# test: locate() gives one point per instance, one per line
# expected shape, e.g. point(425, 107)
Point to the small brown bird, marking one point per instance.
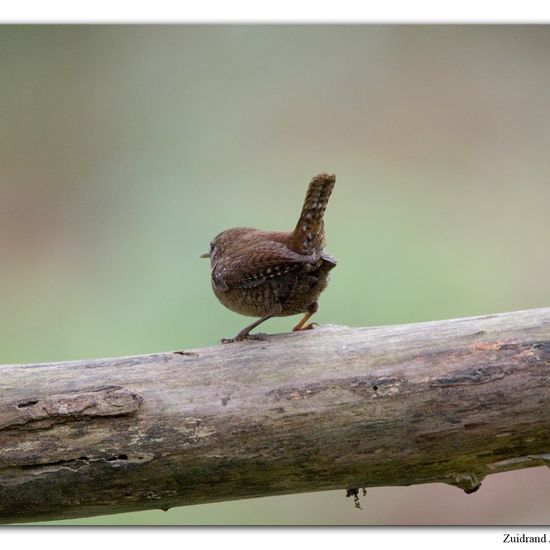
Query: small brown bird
point(274, 274)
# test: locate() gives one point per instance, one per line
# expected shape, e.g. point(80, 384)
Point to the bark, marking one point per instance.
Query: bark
point(334, 407)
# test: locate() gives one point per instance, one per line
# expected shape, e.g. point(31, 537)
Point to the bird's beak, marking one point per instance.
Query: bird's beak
point(207, 255)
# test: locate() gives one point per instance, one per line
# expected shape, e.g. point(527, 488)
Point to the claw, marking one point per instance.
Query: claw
point(309, 326)
point(261, 336)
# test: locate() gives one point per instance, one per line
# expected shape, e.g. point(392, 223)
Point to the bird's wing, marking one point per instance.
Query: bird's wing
point(251, 268)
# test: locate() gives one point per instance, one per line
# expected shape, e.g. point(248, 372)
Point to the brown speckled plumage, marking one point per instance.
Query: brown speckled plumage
point(274, 274)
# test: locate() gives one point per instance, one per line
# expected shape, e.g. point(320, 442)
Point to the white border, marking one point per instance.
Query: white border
point(265, 538)
point(282, 11)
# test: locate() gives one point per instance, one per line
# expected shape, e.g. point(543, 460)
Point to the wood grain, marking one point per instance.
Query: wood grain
point(335, 407)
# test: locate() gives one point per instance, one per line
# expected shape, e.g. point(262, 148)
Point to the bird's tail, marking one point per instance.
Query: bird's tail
point(309, 234)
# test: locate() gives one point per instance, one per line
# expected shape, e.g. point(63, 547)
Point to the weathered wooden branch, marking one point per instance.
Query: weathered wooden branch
point(335, 407)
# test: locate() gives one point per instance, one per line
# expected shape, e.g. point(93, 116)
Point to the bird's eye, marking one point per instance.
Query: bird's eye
point(211, 246)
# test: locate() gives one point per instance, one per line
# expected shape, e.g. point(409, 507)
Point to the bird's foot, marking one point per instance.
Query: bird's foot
point(309, 326)
point(261, 336)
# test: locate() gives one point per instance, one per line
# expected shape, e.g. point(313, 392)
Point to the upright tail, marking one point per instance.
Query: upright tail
point(309, 234)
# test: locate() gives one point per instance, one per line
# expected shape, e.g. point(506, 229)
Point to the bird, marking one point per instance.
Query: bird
point(268, 274)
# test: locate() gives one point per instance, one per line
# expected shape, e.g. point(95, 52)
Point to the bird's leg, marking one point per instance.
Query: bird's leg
point(310, 311)
point(244, 334)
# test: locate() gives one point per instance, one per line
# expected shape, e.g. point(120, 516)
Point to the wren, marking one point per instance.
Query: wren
point(274, 274)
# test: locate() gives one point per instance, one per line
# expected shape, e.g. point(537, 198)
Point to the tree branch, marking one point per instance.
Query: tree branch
point(335, 407)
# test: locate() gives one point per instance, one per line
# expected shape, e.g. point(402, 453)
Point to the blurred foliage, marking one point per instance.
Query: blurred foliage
point(124, 149)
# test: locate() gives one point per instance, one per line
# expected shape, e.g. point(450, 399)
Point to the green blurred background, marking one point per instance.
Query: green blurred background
point(124, 149)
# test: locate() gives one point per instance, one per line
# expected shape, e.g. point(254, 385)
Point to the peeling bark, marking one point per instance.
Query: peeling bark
point(335, 407)
point(110, 401)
